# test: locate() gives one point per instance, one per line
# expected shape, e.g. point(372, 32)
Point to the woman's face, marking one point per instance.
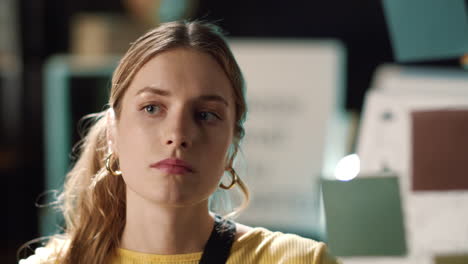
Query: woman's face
point(179, 105)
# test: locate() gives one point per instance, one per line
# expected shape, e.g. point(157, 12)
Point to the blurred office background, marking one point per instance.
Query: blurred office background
point(50, 50)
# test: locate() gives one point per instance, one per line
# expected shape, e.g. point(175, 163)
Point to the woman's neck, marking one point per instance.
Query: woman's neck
point(155, 229)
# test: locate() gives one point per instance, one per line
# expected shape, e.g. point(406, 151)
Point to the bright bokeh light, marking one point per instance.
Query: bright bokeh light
point(348, 168)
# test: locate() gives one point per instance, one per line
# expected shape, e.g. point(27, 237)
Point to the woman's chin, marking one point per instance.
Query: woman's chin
point(177, 197)
point(172, 190)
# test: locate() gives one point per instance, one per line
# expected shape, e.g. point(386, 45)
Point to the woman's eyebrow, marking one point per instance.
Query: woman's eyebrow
point(214, 98)
point(153, 90)
point(157, 91)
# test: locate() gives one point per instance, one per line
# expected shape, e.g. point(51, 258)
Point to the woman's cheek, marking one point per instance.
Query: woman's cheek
point(221, 143)
point(132, 139)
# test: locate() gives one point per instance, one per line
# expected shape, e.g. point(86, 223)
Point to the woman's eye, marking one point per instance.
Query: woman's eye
point(207, 116)
point(152, 109)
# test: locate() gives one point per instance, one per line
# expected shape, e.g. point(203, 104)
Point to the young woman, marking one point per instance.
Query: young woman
point(140, 191)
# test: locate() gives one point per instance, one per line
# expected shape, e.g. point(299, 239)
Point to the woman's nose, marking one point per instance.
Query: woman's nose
point(179, 132)
point(183, 143)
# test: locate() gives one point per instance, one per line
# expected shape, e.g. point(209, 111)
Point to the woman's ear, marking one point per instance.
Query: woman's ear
point(230, 155)
point(111, 130)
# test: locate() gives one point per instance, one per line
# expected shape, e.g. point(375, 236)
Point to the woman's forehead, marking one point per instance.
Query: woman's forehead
point(183, 71)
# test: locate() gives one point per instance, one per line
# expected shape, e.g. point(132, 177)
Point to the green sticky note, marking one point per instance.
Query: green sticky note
point(451, 259)
point(364, 217)
point(427, 29)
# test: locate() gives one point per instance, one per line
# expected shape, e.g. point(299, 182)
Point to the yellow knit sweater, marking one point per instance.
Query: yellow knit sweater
point(258, 245)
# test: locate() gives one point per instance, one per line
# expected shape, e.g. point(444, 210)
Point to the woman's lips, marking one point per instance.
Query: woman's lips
point(173, 166)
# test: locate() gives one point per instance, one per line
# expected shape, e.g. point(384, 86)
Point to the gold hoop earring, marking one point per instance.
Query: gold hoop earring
point(235, 179)
point(109, 166)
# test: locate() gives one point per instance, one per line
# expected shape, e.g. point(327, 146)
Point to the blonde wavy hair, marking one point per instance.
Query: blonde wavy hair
point(93, 200)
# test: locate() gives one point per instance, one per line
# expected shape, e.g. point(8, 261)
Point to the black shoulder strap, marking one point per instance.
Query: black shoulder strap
point(219, 244)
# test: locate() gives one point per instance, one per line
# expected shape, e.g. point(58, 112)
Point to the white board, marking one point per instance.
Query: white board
point(435, 222)
point(295, 94)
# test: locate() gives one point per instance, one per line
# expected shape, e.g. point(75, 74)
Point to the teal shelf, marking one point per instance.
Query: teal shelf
point(59, 70)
